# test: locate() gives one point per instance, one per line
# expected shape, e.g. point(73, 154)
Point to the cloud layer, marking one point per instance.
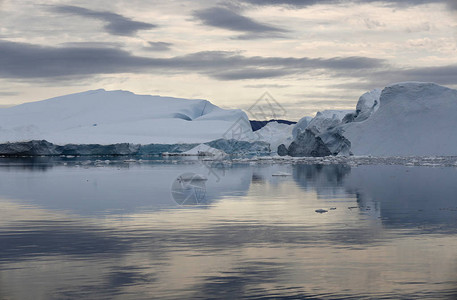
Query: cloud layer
point(305, 3)
point(225, 18)
point(22, 60)
point(159, 46)
point(115, 24)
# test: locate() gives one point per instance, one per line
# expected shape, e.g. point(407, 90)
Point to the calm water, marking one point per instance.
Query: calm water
point(114, 231)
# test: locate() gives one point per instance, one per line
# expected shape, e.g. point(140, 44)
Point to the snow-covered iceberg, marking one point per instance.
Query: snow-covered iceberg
point(404, 119)
point(110, 117)
point(413, 119)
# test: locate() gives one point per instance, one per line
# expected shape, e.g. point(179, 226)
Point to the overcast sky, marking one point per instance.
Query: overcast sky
point(310, 55)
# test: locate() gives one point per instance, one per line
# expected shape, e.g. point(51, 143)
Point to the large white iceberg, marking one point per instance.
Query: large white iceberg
point(404, 119)
point(108, 117)
point(413, 118)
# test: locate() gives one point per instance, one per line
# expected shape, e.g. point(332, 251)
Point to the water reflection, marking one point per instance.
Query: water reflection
point(111, 188)
point(189, 189)
point(420, 197)
point(326, 180)
point(107, 232)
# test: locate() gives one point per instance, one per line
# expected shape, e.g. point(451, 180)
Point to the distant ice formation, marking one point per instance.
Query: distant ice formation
point(403, 119)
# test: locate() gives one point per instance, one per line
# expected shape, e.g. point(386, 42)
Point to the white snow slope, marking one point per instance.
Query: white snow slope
point(413, 119)
point(107, 117)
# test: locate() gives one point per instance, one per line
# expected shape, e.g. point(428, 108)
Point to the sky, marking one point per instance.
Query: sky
point(309, 55)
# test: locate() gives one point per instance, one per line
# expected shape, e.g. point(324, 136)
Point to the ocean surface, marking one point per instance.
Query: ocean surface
point(169, 229)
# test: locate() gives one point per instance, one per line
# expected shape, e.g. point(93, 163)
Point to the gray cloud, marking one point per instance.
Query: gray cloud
point(27, 61)
point(452, 4)
point(441, 75)
point(115, 24)
point(304, 3)
point(91, 44)
point(296, 3)
point(225, 18)
point(159, 46)
point(21, 60)
point(8, 94)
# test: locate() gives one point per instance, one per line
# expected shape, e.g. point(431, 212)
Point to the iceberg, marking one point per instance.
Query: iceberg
point(320, 137)
point(413, 119)
point(112, 117)
point(403, 119)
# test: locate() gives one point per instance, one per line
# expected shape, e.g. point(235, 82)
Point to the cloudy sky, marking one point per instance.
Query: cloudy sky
point(309, 54)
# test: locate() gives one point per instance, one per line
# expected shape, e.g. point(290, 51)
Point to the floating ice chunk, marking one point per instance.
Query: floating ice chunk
point(204, 150)
point(192, 177)
point(281, 174)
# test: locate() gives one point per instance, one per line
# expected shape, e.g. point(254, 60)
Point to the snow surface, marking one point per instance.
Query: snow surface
point(413, 119)
point(108, 117)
